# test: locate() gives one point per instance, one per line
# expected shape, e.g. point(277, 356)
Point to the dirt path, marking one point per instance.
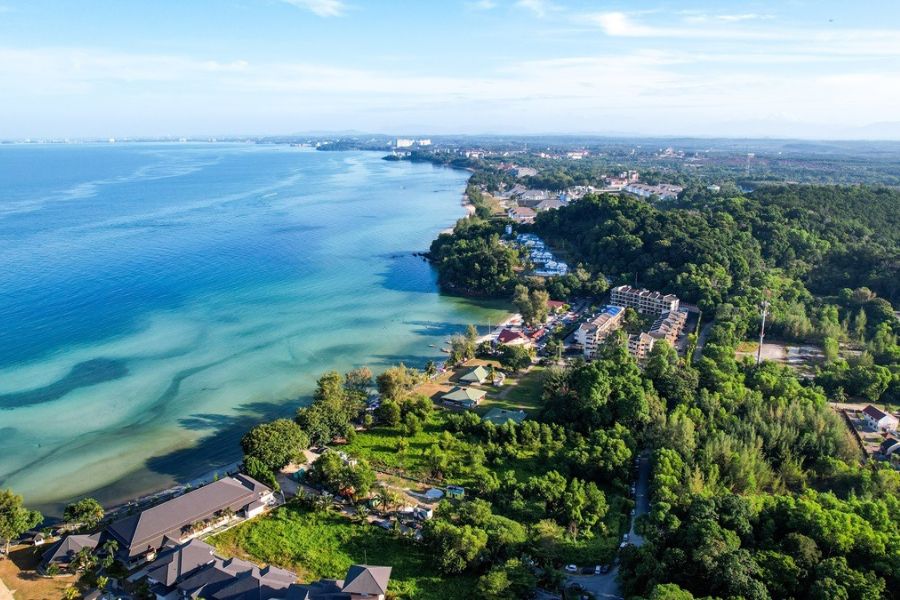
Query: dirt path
point(5, 594)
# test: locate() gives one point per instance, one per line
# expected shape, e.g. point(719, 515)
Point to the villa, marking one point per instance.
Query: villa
point(477, 375)
point(463, 397)
point(140, 536)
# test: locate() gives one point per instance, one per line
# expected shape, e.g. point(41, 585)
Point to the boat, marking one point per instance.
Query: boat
point(447, 350)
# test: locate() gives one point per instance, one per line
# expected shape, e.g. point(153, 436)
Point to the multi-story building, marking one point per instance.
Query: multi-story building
point(591, 334)
point(643, 301)
point(640, 346)
point(668, 326)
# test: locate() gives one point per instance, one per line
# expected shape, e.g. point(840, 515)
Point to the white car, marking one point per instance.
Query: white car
point(571, 569)
point(625, 538)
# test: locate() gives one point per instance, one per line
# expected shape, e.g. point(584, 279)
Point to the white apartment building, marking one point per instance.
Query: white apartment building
point(591, 334)
point(644, 301)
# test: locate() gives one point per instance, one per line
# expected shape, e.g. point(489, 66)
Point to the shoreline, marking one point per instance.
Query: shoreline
point(127, 505)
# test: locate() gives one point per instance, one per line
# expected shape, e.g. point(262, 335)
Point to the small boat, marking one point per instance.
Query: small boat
point(432, 345)
point(447, 350)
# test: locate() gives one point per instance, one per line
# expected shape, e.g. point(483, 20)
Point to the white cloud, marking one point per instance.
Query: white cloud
point(322, 8)
point(700, 17)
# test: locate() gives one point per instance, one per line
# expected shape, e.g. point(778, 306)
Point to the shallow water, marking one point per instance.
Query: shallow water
point(158, 299)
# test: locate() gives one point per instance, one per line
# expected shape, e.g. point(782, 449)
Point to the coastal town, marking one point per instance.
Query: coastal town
point(524, 460)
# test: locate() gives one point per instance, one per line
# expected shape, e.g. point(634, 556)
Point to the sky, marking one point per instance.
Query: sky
point(120, 68)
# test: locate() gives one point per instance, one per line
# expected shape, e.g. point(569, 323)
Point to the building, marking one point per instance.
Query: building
point(62, 552)
point(477, 375)
point(640, 346)
point(525, 172)
point(521, 214)
point(463, 397)
point(663, 191)
point(424, 142)
point(889, 446)
point(499, 416)
point(404, 143)
point(879, 420)
point(140, 536)
point(591, 334)
point(512, 338)
point(193, 570)
point(669, 326)
point(643, 301)
point(549, 204)
point(531, 198)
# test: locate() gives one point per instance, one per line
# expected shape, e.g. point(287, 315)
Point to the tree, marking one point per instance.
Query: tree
point(275, 444)
point(358, 380)
point(396, 382)
point(669, 591)
point(260, 472)
point(71, 593)
point(510, 580)
point(388, 412)
point(15, 519)
point(86, 511)
point(532, 305)
point(516, 358)
point(454, 547)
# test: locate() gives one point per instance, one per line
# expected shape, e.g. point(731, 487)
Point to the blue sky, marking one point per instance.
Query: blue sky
point(215, 67)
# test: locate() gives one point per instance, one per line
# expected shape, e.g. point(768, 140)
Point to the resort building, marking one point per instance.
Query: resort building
point(463, 397)
point(193, 570)
point(62, 552)
point(477, 375)
point(879, 420)
point(640, 346)
point(591, 334)
point(669, 326)
point(512, 338)
point(499, 416)
point(643, 301)
point(521, 214)
point(141, 535)
point(663, 191)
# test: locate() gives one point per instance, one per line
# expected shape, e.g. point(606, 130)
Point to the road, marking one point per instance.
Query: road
point(606, 586)
point(701, 339)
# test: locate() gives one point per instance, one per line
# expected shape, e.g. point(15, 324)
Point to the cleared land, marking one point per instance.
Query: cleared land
point(19, 575)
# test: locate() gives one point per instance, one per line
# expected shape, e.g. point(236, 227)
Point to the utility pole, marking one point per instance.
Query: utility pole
point(762, 331)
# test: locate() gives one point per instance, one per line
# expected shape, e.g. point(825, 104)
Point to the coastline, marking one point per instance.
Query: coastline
point(127, 504)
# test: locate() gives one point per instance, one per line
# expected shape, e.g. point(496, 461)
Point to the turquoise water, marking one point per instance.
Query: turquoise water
point(156, 300)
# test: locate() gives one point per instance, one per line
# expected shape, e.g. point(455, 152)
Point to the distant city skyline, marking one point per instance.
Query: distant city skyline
point(826, 70)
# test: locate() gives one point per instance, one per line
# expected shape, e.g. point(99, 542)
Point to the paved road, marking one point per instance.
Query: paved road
point(701, 339)
point(606, 586)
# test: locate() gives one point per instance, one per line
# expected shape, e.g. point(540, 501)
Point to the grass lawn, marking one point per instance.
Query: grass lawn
point(378, 445)
point(519, 392)
point(323, 544)
point(19, 575)
point(747, 347)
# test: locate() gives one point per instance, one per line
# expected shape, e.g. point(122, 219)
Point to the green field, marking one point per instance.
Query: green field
point(379, 444)
point(323, 544)
point(518, 393)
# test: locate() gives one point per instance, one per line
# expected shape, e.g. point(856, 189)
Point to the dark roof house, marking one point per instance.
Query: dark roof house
point(63, 551)
point(361, 582)
point(150, 529)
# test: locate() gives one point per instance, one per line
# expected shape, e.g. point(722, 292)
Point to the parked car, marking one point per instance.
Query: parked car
point(604, 569)
point(625, 538)
point(571, 569)
point(598, 570)
point(576, 587)
point(633, 512)
point(588, 571)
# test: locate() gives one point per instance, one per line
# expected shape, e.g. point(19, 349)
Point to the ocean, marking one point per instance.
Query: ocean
point(157, 300)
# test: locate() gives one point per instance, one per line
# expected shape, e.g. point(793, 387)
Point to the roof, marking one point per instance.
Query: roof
point(65, 549)
point(146, 529)
point(463, 394)
point(508, 335)
point(363, 579)
point(555, 304)
point(478, 374)
point(499, 416)
point(875, 413)
point(888, 443)
point(175, 564)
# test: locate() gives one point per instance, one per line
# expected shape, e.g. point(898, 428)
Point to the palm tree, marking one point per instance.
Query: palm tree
point(386, 498)
point(102, 582)
point(52, 570)
point(70, 593)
